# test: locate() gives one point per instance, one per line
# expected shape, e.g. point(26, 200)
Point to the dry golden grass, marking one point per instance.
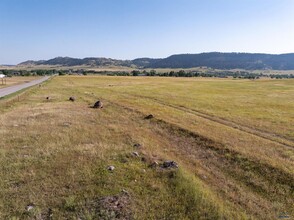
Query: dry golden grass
point(17, 80)
point(235, 161)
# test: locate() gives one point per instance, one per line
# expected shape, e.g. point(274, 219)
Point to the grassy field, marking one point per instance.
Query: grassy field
point(232, 139)
point(10, 81)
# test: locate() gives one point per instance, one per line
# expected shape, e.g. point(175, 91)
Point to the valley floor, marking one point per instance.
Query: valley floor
point(232, 139)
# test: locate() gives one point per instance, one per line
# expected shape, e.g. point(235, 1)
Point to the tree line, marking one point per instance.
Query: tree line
point(180, 73)
point(218, 74)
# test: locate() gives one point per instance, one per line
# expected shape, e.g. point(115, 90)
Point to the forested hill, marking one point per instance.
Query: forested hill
point(228, 61)
point(214, 60)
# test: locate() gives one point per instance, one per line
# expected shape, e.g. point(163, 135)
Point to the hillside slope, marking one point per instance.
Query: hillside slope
point(213, 60)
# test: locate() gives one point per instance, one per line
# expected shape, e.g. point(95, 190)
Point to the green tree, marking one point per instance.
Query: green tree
point(152, 72)
point(135, 72)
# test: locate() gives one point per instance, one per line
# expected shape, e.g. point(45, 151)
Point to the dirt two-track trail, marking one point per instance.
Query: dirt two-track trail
point(260, 133)
point(226, 175)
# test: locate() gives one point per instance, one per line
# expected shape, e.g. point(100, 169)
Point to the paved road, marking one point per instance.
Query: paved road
point(12, 89)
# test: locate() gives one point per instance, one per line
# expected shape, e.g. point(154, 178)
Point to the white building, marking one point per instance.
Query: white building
point(3, 79)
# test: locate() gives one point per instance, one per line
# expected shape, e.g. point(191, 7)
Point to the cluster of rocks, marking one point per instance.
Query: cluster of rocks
point(97, 104)
point(44, 214)
point(168, 164)
point(112, 168)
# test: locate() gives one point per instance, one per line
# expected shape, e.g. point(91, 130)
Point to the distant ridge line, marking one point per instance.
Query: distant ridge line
point(217, 60)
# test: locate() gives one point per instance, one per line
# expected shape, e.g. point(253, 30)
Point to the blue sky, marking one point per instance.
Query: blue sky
point(127, 29)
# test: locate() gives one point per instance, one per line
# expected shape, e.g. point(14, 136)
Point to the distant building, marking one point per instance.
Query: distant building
point(2, 77)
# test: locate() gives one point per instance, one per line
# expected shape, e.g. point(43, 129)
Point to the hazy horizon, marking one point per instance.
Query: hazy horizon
point(41, 30)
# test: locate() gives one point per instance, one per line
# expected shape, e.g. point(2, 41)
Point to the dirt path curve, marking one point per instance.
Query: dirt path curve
point(12, 89)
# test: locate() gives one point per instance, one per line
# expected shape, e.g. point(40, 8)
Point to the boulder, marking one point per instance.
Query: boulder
point(110, 168)
point(98, 104)
point(72, 98)
point(149, 116)
point(170, 164)
point(136, 154)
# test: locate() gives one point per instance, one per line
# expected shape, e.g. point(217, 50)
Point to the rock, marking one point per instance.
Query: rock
point(72, 99)
point(154, 164)
point(30, 207)
point(110, 168)
point(48, 215)
point(137, 145)
point(136, 154)
point(149, 116)
point(170, 164)
point(66, 124)
point(125, 192)
point(98, 104)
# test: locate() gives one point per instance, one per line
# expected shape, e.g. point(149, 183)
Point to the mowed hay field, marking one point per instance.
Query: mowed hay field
point(232, 139)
